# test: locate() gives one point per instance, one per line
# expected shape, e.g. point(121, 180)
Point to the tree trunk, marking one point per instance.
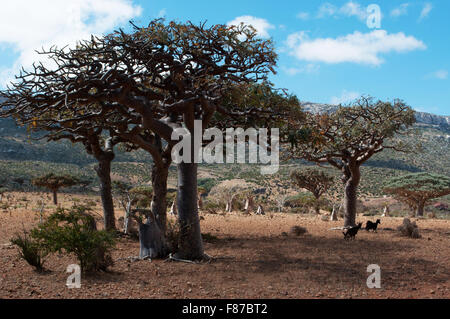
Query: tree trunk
point(420, 209)
point(190, 244)
point(127, 218)
point(200, 202)
point(316, 205)
point(334, 214)
point(55, 196)
point(103, 170)
point(352, 178)
point(152, 240)
point(159, 200)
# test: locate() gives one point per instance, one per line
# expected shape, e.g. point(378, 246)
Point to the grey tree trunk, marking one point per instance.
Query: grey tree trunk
point(127, 218)
point(159, 199)
point(352, 178)
point(103, 170)
point(152, 240)
point(334, 214)
point(152, 237)
point(191, 243)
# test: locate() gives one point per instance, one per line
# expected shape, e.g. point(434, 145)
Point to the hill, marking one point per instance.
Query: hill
point(22, 157)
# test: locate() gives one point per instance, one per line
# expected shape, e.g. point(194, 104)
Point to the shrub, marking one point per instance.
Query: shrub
point(409, 229)
point(298, 230)
point(173, 235)
point(212, 206)
point(30, 250)
point(207, 184)
point(298, 200)
point(74, 231)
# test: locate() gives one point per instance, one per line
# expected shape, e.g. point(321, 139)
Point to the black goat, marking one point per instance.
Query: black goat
point(372, 226)
point(351, 232)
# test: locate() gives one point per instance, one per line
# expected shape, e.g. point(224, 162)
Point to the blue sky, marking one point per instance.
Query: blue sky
point(327, 51)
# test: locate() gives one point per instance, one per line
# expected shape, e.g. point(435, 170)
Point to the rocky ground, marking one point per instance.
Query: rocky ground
point(253, 257)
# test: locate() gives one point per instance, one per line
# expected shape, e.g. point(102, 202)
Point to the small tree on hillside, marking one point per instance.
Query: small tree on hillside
point(317, 182)
point(417, 189)
point(3, 190)
point(349, 137)
point(54, 183)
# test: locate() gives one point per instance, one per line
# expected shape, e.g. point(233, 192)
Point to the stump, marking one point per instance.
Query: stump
point(334, 215)
point(152, 242)
point(260, 210)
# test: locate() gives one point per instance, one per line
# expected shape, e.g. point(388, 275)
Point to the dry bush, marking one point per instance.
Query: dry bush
point(409, 229)
point(298, 230)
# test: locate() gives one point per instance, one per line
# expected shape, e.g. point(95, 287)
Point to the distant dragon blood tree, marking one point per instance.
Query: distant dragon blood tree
point(54, 183)
point(349, 137)
point(317, 182)
point(417, 189)
point(142, 86)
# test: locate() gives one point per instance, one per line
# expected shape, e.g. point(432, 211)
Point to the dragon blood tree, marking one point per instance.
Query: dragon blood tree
point(317, 182)
point(54, 183)
point(417, 189)
point(144, 85)
point(349, 137)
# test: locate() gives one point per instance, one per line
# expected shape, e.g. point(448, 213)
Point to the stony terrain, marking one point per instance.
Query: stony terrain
point(253, 257)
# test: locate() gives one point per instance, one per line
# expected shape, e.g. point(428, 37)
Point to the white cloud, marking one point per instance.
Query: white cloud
point(29, 25)
point(400, 10)
point(262, 26)
point(310, 68)
point(346, 97)
point(349, 9)
point(439, 74)
point(361, 48)
point(162, 13)
point(303, 15)
point(354, 9)
point(425, 11)
point(327, 9)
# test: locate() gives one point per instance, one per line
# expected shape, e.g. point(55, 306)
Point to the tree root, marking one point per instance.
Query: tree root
point(206, 258)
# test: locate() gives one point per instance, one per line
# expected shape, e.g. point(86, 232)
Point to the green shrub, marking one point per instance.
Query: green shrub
point(213, 206)
point(74, 232)
point(207, 183)
point(30, 250)
point(300, 200)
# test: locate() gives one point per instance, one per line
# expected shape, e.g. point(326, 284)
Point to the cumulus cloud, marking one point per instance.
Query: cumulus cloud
point(345, 97)
point(361, 48)
point(400, 10)
point(425, 11)
point(29, 25)
point(439, 74)
point(262, 26)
